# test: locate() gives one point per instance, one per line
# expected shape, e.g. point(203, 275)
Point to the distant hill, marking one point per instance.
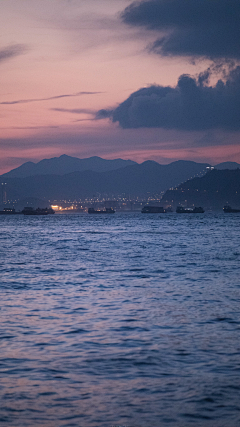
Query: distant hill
point(148, 178)
point(214, 190)
point(66, 164)
point(227, 165)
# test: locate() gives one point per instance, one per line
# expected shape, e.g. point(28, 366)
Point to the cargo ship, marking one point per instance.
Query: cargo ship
point(96, 211)
point(9, 211)
point(153, 209)
point(38, 211)
point(228, 209)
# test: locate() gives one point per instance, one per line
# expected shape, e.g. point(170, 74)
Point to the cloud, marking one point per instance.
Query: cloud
point(26, 101)
point(75, 110)
point(12, 51)
point(31, 127)
point(205, 28)
point(103, 114)
point(90, 24)
point(96, 115)
point(190, 106)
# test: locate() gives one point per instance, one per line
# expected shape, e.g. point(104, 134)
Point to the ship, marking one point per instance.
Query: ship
point(97, 211)
point(228, 209)
point(38, 211)
point(9, 211)
point(181, 209)
point(153, 209)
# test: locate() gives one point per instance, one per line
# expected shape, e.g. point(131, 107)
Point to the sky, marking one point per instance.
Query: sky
point(154, 79)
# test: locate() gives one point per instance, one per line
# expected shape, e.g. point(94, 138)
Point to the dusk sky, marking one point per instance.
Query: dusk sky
point(156, 79)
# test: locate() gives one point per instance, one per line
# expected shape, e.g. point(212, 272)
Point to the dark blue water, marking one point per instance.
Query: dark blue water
point(128, 320)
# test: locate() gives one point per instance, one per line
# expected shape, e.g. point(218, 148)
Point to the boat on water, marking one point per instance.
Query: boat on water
point(153, 209)
point(228, 209)
point(105, 211)
point(181, 209)
point(9, 211)
point(38, 211)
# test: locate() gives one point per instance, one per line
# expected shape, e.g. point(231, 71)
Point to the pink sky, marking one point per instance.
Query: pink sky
point(61, 61)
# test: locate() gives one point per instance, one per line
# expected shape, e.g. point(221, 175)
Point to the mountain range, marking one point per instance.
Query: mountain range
point(70, 178)
point(67, 164)
point(144, 179)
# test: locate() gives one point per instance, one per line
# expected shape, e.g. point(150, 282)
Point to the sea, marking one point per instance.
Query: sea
point(121, 320)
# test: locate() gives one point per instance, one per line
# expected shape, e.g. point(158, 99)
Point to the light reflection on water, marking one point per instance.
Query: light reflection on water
point(123, 319)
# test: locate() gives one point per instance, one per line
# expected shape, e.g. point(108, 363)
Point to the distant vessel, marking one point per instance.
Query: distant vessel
point(181, 209)
point(9, 211)
point(106, 211)
point(38, 211)
point(153, 209)
point(228, 209)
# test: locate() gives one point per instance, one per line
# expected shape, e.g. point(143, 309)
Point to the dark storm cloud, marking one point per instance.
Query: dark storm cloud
point(209, 28)
point(191, 105)
point(12, 51)
point(26, 101)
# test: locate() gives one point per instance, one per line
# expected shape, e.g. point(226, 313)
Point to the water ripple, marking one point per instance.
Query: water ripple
point(130, 320)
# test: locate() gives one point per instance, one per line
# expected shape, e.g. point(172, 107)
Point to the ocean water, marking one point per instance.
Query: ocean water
point(120, 320)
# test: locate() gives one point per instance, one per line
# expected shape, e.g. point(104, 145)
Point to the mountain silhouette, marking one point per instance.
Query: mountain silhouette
point(227, 165)
point(66, 164)
point(212, 191)
point(148, 178)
